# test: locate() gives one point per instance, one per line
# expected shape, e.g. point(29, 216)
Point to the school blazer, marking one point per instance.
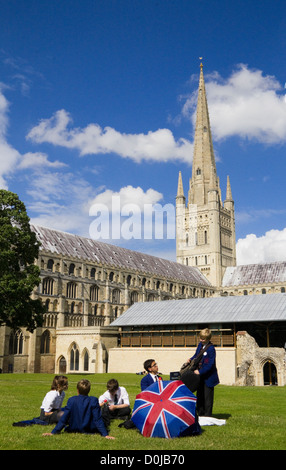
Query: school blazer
point(146, 382)
point(82, 414)
point(208, 370)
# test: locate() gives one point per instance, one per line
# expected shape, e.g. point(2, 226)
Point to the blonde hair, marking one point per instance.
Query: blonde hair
point(205, 334)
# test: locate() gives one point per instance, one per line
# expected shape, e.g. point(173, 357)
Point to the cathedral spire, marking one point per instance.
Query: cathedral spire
point(204, 167)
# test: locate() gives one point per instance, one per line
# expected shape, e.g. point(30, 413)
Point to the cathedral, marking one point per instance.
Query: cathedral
point(91, 288)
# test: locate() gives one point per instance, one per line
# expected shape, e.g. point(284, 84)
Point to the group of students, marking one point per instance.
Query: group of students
point(88, 414)
point(84, 413)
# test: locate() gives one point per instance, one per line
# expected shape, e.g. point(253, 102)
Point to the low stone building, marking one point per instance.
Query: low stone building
point(248, 332)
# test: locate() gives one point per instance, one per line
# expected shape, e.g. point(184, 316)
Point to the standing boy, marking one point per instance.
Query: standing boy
point(207, 371)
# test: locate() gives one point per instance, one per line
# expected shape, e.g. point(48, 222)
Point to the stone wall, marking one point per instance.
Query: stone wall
point(169, 360)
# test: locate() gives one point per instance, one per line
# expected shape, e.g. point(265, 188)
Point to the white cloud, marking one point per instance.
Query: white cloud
point(128, 195)
point(267, 248)
point(248, 104)
point(64, 202)
point(9, 156)
point(38, 159)
point(11, 160)
point(159, 145)
point(131, 213)
point(60, 201)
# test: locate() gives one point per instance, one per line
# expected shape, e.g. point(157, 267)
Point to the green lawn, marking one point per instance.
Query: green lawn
point(255, 418)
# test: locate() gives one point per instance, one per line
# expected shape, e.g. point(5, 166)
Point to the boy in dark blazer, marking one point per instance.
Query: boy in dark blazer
point(82, 414)
point(207, 371)
point(152, 368)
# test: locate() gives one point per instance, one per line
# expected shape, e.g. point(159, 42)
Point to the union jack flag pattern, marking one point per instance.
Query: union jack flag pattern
point(165, 409)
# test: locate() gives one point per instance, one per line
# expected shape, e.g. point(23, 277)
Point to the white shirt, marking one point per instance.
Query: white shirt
point(53, 401)
point(155, 377)
point(122, 397)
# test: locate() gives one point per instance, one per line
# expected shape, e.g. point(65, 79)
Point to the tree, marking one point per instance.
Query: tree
point(19, 275)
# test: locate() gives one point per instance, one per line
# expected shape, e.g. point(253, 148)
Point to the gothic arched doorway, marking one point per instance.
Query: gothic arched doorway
point(269, 373)
point(62, 365)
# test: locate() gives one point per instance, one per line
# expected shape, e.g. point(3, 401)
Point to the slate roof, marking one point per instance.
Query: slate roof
point(75, 246)
point(232, 309)
point(267, 273)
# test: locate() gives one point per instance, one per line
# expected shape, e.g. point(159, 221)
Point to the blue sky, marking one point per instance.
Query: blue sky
point(97, 100)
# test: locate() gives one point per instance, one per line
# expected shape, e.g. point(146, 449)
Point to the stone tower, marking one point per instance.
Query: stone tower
point(205, 227)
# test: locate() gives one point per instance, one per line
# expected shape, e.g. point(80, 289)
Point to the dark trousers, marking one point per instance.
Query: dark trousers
point(120, 413)
point(51, 419)
point(205, 399)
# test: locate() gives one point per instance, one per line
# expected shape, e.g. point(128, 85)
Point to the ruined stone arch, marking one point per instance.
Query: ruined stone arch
point(270, 373)
point(269, 367)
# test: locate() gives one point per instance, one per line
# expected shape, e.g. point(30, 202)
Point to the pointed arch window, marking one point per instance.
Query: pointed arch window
point(45, 342)
point(116, 296)
point(206, 237)
point(134, 297)
point(71, 268)
point(93, 293)
point(48, 286)
point(85, 361)
point(74, 358)
point(16, 342)
point(50, 265)
point(71, 290)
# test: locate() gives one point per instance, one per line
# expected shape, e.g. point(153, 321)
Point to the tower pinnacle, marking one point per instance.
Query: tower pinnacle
point(180, 191)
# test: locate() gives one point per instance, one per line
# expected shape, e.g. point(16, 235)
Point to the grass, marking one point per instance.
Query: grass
point(255, 418)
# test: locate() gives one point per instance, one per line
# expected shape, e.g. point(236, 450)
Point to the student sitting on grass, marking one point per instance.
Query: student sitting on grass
point(115, 402)
point(82, 414)
point(51, 411)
